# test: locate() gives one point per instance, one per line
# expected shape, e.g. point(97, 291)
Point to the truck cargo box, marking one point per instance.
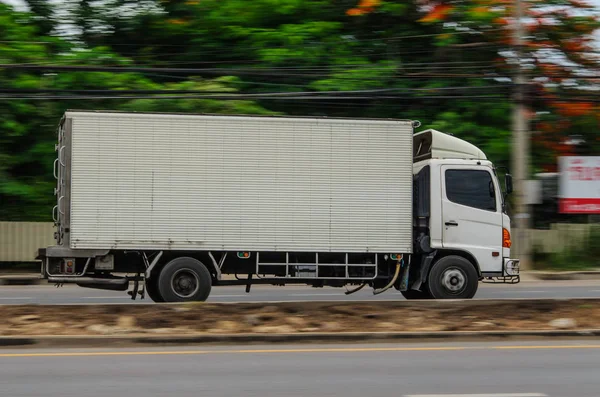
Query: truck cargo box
point(234, 183)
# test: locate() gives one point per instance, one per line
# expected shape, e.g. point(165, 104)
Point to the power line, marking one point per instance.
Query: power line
point(352, 40)
point(375, 64)
point(335, 95)
point(313, 97)
point(255, 72)
point(293, 93)
point(316, 68)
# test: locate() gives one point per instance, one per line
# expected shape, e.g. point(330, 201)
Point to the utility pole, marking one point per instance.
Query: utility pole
point(521, 141)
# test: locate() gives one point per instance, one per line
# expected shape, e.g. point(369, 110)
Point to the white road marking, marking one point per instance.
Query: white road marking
point(319, 294)
point(16, 298)
point(481, 395)
point(217, 295)
point(107, 297)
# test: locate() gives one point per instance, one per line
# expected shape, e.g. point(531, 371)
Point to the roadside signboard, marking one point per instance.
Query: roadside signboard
point(579, 184)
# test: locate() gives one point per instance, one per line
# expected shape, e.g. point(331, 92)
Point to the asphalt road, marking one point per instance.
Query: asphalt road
point(48, 294)
point(559, 369)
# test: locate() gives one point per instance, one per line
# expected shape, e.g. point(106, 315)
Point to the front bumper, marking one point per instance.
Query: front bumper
point(510, 273)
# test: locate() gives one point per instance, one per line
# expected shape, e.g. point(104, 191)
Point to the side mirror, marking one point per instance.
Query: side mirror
point(508, 182)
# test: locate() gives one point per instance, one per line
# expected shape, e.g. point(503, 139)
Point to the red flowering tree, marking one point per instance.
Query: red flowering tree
point(561, 59)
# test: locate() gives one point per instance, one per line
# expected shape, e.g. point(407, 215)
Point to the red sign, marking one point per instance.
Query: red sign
point(579, 185)
point(580, 206)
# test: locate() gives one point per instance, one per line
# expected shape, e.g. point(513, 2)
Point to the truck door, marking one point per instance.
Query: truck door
point(472, 214)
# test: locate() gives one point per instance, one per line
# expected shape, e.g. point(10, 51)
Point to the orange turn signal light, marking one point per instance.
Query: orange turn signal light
point(506, 243)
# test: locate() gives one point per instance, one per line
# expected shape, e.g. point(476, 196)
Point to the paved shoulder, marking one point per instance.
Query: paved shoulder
point(433, 370)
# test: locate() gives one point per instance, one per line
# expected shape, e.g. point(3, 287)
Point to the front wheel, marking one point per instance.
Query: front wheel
point(412, 294)
point(184, 280)
point(453, 277)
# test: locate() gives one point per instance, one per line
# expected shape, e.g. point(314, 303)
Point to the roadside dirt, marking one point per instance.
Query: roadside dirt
point(281, 318)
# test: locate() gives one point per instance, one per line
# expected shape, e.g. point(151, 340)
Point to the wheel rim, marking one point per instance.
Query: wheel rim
point(454, 280)
point(185, 283)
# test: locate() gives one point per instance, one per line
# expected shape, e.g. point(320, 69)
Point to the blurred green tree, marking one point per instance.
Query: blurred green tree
point(30, 118)
point(325, 45)
point(448, 64)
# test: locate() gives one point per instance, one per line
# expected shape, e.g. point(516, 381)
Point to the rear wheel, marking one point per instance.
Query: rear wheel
point(184, 280)
point(152, 290)
point(453, 277)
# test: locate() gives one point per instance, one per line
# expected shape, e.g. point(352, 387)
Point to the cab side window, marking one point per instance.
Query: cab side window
point(473, 188)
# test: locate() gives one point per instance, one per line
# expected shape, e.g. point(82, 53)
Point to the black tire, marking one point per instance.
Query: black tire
point(413, 294)
point(453, 277)
point(184, 280)
point(152, 289)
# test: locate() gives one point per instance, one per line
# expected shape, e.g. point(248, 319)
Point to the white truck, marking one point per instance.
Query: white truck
point(170, 205)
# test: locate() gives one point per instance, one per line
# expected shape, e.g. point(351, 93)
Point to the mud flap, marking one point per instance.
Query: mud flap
point(425, 265)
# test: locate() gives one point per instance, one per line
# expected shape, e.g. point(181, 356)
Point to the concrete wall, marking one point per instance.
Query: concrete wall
point(19, 241)
point(561, 236)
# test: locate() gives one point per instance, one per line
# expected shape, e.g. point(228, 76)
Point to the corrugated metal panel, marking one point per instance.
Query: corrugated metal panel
point(19, 241)
point(240, 183)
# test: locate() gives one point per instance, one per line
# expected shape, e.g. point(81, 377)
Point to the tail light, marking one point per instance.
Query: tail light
point(69, 266)
point(506, 243)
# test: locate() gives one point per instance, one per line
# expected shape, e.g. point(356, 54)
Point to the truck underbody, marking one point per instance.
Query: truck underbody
point(190, 275)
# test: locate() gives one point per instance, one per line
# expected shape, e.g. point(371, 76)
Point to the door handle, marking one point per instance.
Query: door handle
point(451, 223)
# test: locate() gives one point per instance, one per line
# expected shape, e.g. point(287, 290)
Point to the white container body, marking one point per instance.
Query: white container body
point(239, 183)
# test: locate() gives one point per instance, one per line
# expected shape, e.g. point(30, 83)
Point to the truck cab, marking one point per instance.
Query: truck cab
point(460, 217)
